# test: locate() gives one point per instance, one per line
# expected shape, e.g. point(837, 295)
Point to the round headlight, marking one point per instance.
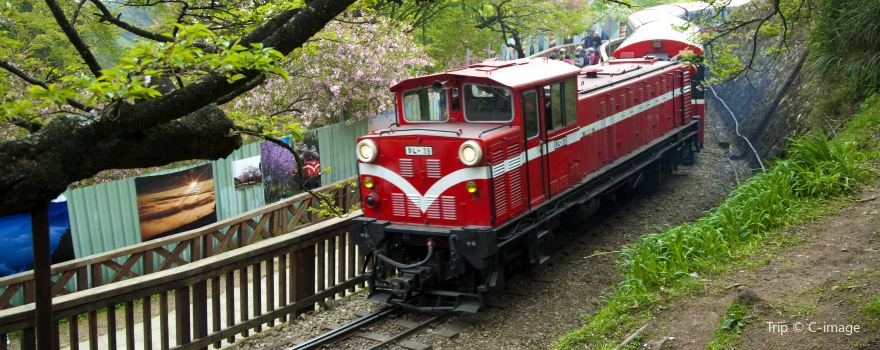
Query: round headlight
point(470, 153)
point(367, 151)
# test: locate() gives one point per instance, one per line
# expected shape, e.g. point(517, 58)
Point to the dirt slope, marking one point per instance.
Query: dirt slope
point(812, 295)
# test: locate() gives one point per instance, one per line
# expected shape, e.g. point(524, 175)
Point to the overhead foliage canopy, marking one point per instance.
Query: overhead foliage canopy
point(70, 109)
point(440, 24)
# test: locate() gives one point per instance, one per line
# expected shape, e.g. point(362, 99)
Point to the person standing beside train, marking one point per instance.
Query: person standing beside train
point(597, 41)
point(588, 39)
point(580, 57)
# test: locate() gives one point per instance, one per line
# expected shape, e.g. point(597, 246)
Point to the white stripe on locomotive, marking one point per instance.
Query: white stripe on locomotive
point(423, 202)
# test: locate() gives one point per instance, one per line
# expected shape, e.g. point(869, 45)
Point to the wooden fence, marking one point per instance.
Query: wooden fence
point(180, 249)
point(212, 298)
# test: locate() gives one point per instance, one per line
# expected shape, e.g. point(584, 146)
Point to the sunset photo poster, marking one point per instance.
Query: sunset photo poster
point(177, 202)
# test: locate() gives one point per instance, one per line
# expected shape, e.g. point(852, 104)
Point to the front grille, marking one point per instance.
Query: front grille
point(514, 161)
point(450, 211)
point(500, 196)
point(433, 168)
point(443, 208)
point(398, 204)
point(507, 182)
point(434, 209)
point(412, 209)
point(406, 167)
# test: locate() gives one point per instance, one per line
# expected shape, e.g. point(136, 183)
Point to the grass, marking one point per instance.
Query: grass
point(793, 190)
point(735, 318)
point(798, 309)
point(871, 312)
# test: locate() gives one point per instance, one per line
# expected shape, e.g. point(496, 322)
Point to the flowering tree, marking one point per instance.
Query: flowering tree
point(343, 74)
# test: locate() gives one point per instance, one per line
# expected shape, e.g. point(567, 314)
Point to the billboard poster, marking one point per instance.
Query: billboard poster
point(246, 172)
point(176, 202)
point(16, 252)
point(279, 169)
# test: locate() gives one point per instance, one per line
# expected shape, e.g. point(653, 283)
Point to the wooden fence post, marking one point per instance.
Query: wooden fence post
point(200, 310)
point(42, 277)
point(181, 315)
point(304, 276)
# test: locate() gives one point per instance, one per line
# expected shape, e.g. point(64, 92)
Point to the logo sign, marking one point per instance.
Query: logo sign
point(419, 151)
point(560, 143)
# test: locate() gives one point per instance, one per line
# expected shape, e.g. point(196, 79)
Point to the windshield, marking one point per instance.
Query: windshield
point(485, 103)
point(425, 105)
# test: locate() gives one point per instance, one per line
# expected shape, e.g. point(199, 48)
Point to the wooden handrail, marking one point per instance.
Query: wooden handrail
point(138, 287)
point(324, 252)
point(269, 221)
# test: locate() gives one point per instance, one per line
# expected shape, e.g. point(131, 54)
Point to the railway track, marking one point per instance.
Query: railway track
point(359, 329)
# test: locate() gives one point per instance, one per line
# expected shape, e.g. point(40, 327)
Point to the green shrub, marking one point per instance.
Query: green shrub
point(815, 169)
point(845, 41)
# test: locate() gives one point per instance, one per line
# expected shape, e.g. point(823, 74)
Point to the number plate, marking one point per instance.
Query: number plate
point(419, 151)
point(560, 143)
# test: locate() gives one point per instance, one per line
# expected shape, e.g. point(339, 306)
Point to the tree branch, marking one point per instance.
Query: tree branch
point(243, 89)
point(8, 66)
point(74, 38)
point(107, 16)
point(76, 12)
point(11, 68)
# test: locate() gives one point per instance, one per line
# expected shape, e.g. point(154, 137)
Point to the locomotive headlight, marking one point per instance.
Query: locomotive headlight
point(368, 182)
point(470, 153)
point(367, 151)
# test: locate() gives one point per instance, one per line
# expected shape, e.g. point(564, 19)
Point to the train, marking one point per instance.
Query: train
point(697, 11)
point(471, 180)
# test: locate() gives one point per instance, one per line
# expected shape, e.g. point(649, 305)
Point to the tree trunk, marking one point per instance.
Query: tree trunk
point(517, 45)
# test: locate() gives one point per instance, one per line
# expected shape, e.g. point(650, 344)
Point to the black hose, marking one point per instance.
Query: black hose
point(403, 266)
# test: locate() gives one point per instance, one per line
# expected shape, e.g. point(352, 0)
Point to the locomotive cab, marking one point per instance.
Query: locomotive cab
point(459, 144)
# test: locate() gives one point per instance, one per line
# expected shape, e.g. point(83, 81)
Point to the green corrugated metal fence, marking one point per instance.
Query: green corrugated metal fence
point(336, 145)
point(105, 216)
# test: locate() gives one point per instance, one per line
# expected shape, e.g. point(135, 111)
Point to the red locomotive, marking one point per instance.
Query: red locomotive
point(483, 160)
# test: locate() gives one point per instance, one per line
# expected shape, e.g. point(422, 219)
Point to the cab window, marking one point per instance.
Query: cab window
point(530, 113)
point(560, 101)
point(425, 105)
point(484, 103)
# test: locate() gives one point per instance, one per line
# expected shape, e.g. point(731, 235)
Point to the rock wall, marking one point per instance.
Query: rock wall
point(767, 102)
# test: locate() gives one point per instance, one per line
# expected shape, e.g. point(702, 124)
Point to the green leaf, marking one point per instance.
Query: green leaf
point(728, 323)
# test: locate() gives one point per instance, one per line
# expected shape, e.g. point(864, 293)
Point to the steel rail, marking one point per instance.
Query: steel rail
point(407, 333)
point(345, 330)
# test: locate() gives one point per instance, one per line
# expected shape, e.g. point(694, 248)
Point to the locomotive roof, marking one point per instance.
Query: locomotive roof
point(514, 74)
point(664, 30)
point(459, 130)
point(619, 70)
point(640, 18)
